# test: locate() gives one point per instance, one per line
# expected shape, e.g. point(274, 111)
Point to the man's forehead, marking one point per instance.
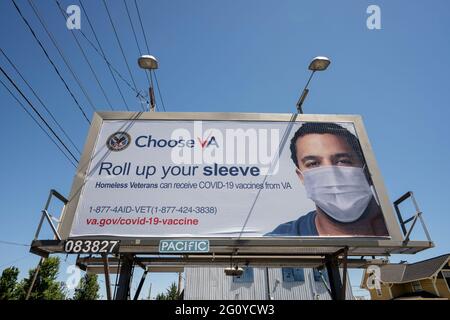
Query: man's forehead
point(317, 143)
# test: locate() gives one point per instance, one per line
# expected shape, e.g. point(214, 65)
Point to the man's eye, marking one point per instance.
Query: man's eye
point(312, 164)
point(344, 162)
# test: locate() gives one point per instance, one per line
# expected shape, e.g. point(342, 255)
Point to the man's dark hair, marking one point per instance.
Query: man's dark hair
point(323, 128)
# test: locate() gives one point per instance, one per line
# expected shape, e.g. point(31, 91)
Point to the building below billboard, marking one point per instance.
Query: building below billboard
point(204, 283)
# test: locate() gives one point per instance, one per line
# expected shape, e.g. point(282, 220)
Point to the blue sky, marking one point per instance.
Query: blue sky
point(238, 56)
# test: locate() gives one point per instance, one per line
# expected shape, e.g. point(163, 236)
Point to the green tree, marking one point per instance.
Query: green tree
point(160, 296)
point(45, 287)
point(171, 293)
point(88, 289)
point(8, 284)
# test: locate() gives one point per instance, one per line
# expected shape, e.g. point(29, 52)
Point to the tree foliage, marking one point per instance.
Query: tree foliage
point(171, 293)
point(88, 289)
point(8, 284)
point(46, 286)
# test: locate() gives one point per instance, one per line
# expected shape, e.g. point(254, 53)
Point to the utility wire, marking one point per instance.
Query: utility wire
point(120, 45)
point(121, 77)
point(50, 60)
point(142, 26)
point(40, 126)
point(14, 243)
point(87, 61)
point(40, 101)
point(132, 26)
point(286, 134)
point(16, 260)
point(159, 92)
point(61, 53)
point(37, 112)
point(102, 54)
point(148, 50)
point(135, 36)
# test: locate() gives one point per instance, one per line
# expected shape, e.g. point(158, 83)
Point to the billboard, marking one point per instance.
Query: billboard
point(173, 175)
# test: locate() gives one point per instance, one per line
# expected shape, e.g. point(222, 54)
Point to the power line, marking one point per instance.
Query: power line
point(142, 26)
point(135, 36)
point(132, 26)
point(279, 151)
point(159, 92)
point(148, 50)
point(40, 126)
point(40, 101)
point(87, 61)
point(16, 260)
point(14, 243)
point(37, 112)
point(101, 54)
point(61, 53)
point(42, 119)
point(120, 45)
point(50, 60)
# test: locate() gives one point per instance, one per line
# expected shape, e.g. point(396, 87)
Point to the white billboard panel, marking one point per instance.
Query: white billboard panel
point(172, 178)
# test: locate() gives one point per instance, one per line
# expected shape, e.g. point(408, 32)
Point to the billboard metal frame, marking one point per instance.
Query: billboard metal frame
point(357, 245)
point(328, 252)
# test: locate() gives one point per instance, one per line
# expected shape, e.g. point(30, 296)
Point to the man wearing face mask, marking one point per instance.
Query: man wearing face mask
point(330, 164)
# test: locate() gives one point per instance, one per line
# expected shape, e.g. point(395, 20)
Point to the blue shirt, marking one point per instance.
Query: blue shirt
point(303, 226)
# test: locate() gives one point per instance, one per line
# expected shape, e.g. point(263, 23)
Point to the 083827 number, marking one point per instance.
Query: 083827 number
point(91, 246)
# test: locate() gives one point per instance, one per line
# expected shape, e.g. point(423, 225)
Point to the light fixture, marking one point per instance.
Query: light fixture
point(148, 62)
point(319, 64)
point(234, 271)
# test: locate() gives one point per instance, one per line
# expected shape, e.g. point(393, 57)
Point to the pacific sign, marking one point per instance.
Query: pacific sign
point(183, 246)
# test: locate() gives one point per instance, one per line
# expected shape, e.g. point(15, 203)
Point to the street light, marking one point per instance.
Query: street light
point(317, 64)
point(149, 62)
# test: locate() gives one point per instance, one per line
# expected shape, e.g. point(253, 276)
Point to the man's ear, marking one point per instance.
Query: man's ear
point(367, 174)
point(299, 174)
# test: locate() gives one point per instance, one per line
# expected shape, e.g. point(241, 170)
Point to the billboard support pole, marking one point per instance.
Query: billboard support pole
point(36, 272)
point(141, 283)
point(269, 297)
point(107, 277)
point(179, 284)
point(123, 289)
point(344, 272)
point(334, 276)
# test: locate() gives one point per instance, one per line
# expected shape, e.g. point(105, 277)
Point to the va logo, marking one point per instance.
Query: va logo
point(210, 141)
point(118, 141)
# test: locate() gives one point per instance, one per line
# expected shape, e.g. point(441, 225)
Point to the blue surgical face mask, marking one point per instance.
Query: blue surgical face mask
point(343, 193)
